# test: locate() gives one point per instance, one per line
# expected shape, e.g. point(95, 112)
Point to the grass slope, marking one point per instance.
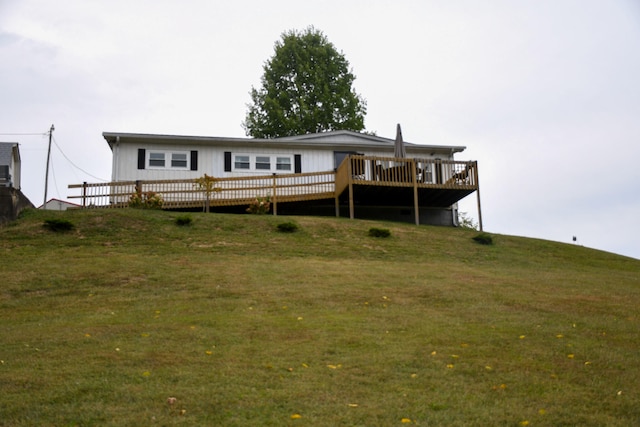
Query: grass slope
point(244, 325)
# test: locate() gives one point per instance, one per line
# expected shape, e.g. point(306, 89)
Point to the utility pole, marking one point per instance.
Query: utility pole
point(46, 176)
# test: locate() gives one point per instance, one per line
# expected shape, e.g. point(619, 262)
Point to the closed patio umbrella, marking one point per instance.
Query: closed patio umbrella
point(399, 150)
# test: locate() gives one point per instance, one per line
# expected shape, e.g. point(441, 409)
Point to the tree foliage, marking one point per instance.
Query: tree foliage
point(307, 87)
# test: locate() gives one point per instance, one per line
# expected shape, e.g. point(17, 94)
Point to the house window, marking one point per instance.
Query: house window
point(156, 160)
point(263, 163)
point(166, 159)
point(241, 162)
point(283, 163)
point(259, 163)
point(178, 160)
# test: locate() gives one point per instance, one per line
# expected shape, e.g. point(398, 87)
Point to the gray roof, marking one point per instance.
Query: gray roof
point(342, 139)
point(6, 152)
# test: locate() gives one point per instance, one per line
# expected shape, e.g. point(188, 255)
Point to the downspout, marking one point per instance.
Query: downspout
point(116, 156)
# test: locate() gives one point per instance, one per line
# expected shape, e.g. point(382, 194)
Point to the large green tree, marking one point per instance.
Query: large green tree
point(307, 87)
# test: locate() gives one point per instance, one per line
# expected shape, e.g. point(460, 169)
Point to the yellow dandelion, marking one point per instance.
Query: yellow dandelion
point(542, 411)
point(488, 368)
point(587, 363)
point(522, 337)
point(146, 374)
point(304, 365)
point(296, 416)
point(405, 420)
point(619, 393)
point(455, 356)
point(332, 366)
point(524, 423)
point(414, 375)
point(299, 318)
point(433, 353)
point(352, 405)
point(450, 366)
point(87, 335)
point(571, 356)
point(559, 336)
point(208, 352)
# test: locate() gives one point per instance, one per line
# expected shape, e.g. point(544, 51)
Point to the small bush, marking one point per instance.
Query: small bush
point(183, 220)
point(379, 232)
point(288, 227)
point(260, 206)
point(58, 224)
point(146, 200)
point(483, 239)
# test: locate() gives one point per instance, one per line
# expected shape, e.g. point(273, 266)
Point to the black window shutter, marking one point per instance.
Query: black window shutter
point(194, 160)
point(142, 154)
point(297, 160)
point(227, 161)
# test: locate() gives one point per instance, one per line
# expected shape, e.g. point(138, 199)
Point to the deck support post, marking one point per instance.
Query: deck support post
point(350, 178)
point(414, 177)
point(84, 195)
point(478, 196)
point(337, 206)
point(275, 197)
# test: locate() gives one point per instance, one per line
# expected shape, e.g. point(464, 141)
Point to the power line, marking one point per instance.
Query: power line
point(23, 134)
point(74, 165)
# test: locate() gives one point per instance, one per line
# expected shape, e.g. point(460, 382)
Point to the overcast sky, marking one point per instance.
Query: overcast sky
point(545, 94)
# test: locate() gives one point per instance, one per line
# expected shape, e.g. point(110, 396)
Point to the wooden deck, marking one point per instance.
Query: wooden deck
point(367, 180)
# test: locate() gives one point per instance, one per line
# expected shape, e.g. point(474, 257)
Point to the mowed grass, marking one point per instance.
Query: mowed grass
point(244, 325)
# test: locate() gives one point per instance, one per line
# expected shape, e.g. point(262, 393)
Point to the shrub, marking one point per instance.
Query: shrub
point(183, 220)
point(483, 239)
point(288, 227)
point(58, 224)
point(260, 205)
point(146, 200)
point(465, 221)
point(379, 232)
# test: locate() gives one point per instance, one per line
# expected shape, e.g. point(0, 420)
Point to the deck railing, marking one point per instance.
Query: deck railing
point(399, 172)
point(354, 170)
point(188, 193)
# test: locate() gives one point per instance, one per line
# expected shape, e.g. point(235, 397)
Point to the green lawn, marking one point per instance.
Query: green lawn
point(244, 325)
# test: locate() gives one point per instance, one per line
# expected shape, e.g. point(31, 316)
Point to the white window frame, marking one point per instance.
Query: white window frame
point(236, 161)
point(185, 160)
point(253, 163)
point(288, 164)
point(168, 159)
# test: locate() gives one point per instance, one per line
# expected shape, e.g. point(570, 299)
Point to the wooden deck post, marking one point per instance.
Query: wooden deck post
point(84, 194)
point(478, 195)
point(414, 177)
point(350, 178)
point(275, 197)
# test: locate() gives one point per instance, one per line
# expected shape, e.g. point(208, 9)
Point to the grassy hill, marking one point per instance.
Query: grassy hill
point(246, 325)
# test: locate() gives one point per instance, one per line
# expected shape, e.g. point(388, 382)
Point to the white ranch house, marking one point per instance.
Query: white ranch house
point(304, 174)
